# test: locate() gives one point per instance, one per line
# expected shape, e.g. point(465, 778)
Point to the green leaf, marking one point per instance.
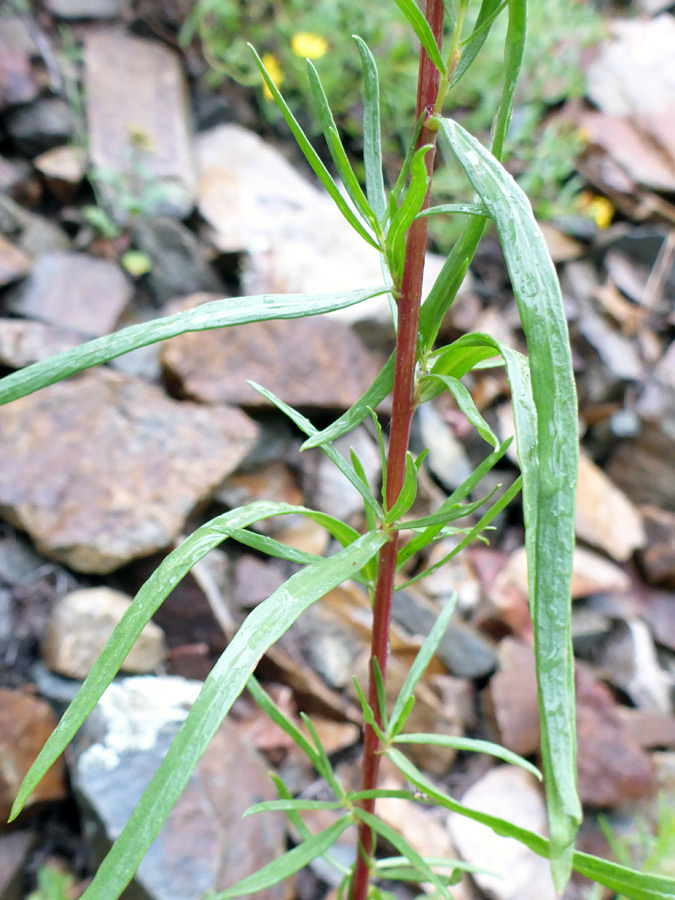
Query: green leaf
point(422, 540)
point(465, 209)
point(368, 713)
point(325, 767)
point(372, 147)
point(272, 711)
point(372, 398)
point(623, 880)
point(305, 425)
point(312, 156)
point(337, 151)
point(471, 745)
point(217, 314)
point(290, 863)
point(514, 50)
point(419, 666)
point(403, 848)
point(265, 625)
point(408, 492)
point(548, 452)
point(423, 31)
point(448, 512)
point(380, 794)
point(468, 407)
point(394, 245)
point(489, 11)
point(380, 691)
point(290, 805)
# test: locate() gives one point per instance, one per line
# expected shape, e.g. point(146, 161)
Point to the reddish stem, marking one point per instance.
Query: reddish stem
point(403, 407)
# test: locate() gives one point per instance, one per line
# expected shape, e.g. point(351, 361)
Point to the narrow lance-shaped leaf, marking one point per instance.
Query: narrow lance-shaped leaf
point(312, 156)
point(372, 145)
point(263, 627)
point(548, 452)
point(489, 11)
point(147, 601)
point(468, 407)
point(217, 314)
point(471, 745)
point(394, 246)
point(423, 31)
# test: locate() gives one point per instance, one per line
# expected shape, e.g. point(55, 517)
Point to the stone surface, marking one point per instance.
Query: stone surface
point(613, 769)
point(137, 113)
point(13, 263)
point(105, 468)
point(605, 517)
point(178, 264)
point(516, 873)
point(326, 487)
point(657, 558)
point(63, 169)
point(25, 725)
point(14, 848)
point(39, 126)
point(87, 293)
point(256, 202)
point(23, 342)
point(80, 626)
point(205, 845)
point(658, 610)
point(643, 467)
point(17, 82)
point(86, 9)
point(309, 363)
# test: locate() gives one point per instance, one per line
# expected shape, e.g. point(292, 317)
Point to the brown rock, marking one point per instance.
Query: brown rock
point(658, 557)
point(105, 468)
point(89, 294)
point(311, 363)
point(23, 342)
point(63, 169)
point(643, 467)
point(137, 113)
point(25, 725)
point(13, 263)
point(658, 609)
point(605, 517)
point(612, 767)
point(80, 626)
point(650, 730)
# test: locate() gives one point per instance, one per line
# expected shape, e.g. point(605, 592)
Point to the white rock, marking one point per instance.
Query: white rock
point(518, 874)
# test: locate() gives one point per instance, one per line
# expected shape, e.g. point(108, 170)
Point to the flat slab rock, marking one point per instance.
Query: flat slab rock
point(137, 112)
point(105, 468)
point(205, 845)
point(311, 362)
point(84, 292)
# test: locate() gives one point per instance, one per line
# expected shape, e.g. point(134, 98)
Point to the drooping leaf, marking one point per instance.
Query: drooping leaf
point(291, 805)
point(263, 627)
point(469, 744)
point(217, 314)
point(464, 209)
point(468, 407)
point(548, 451)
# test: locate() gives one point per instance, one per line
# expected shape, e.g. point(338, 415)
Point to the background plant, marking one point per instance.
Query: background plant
point(394, 221)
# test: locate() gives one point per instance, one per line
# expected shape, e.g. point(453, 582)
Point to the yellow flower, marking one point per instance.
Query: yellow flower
point(308, 45)
point(271, 63)
point(600, 209)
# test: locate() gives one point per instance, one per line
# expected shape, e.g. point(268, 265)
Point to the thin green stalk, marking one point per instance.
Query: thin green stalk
point(403, 406)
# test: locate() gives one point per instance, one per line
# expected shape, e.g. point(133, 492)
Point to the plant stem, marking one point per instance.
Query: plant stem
point(403, 407)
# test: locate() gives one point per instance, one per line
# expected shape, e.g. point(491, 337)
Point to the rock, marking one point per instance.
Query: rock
point(105, 468)
point(447, 457)
point(561, 246)
point(310, 363)
point(458, 576)
point(588, 627)
point(658, 610)
point(14, 850)
point(643, 467)
point(23, 342)
point(625, 81)
point(80, 626)
point(41, 125)
point(516, 873)
point(17, 82)
point(13, 263)
point(89, 294)
point(612, 767)
point(464, 652)
point(86, 9)
point(274, 482)
point(14, 177)
point(33, 234)
point(605, 515)
point(63, 169)
point(178, 263)
point(618, 352)
point(205, 845)
point(25, 725)
point(650, 730)
point(657, 400)
point(255, 579)
point(629, 260)
point(257, 203)
point(138, 116)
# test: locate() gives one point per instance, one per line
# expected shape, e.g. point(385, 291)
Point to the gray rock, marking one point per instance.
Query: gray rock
point(81, 624)
point(41, 125)
point(105, 468)
point(204, 845)
point(89, 294)
point(86, 9)
point(13, 263)
point(178, 263)
point(138, 118)
point(23, 342)
point(326, 487)
point(465, 652)
point(17, 82)
point(14, 850)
